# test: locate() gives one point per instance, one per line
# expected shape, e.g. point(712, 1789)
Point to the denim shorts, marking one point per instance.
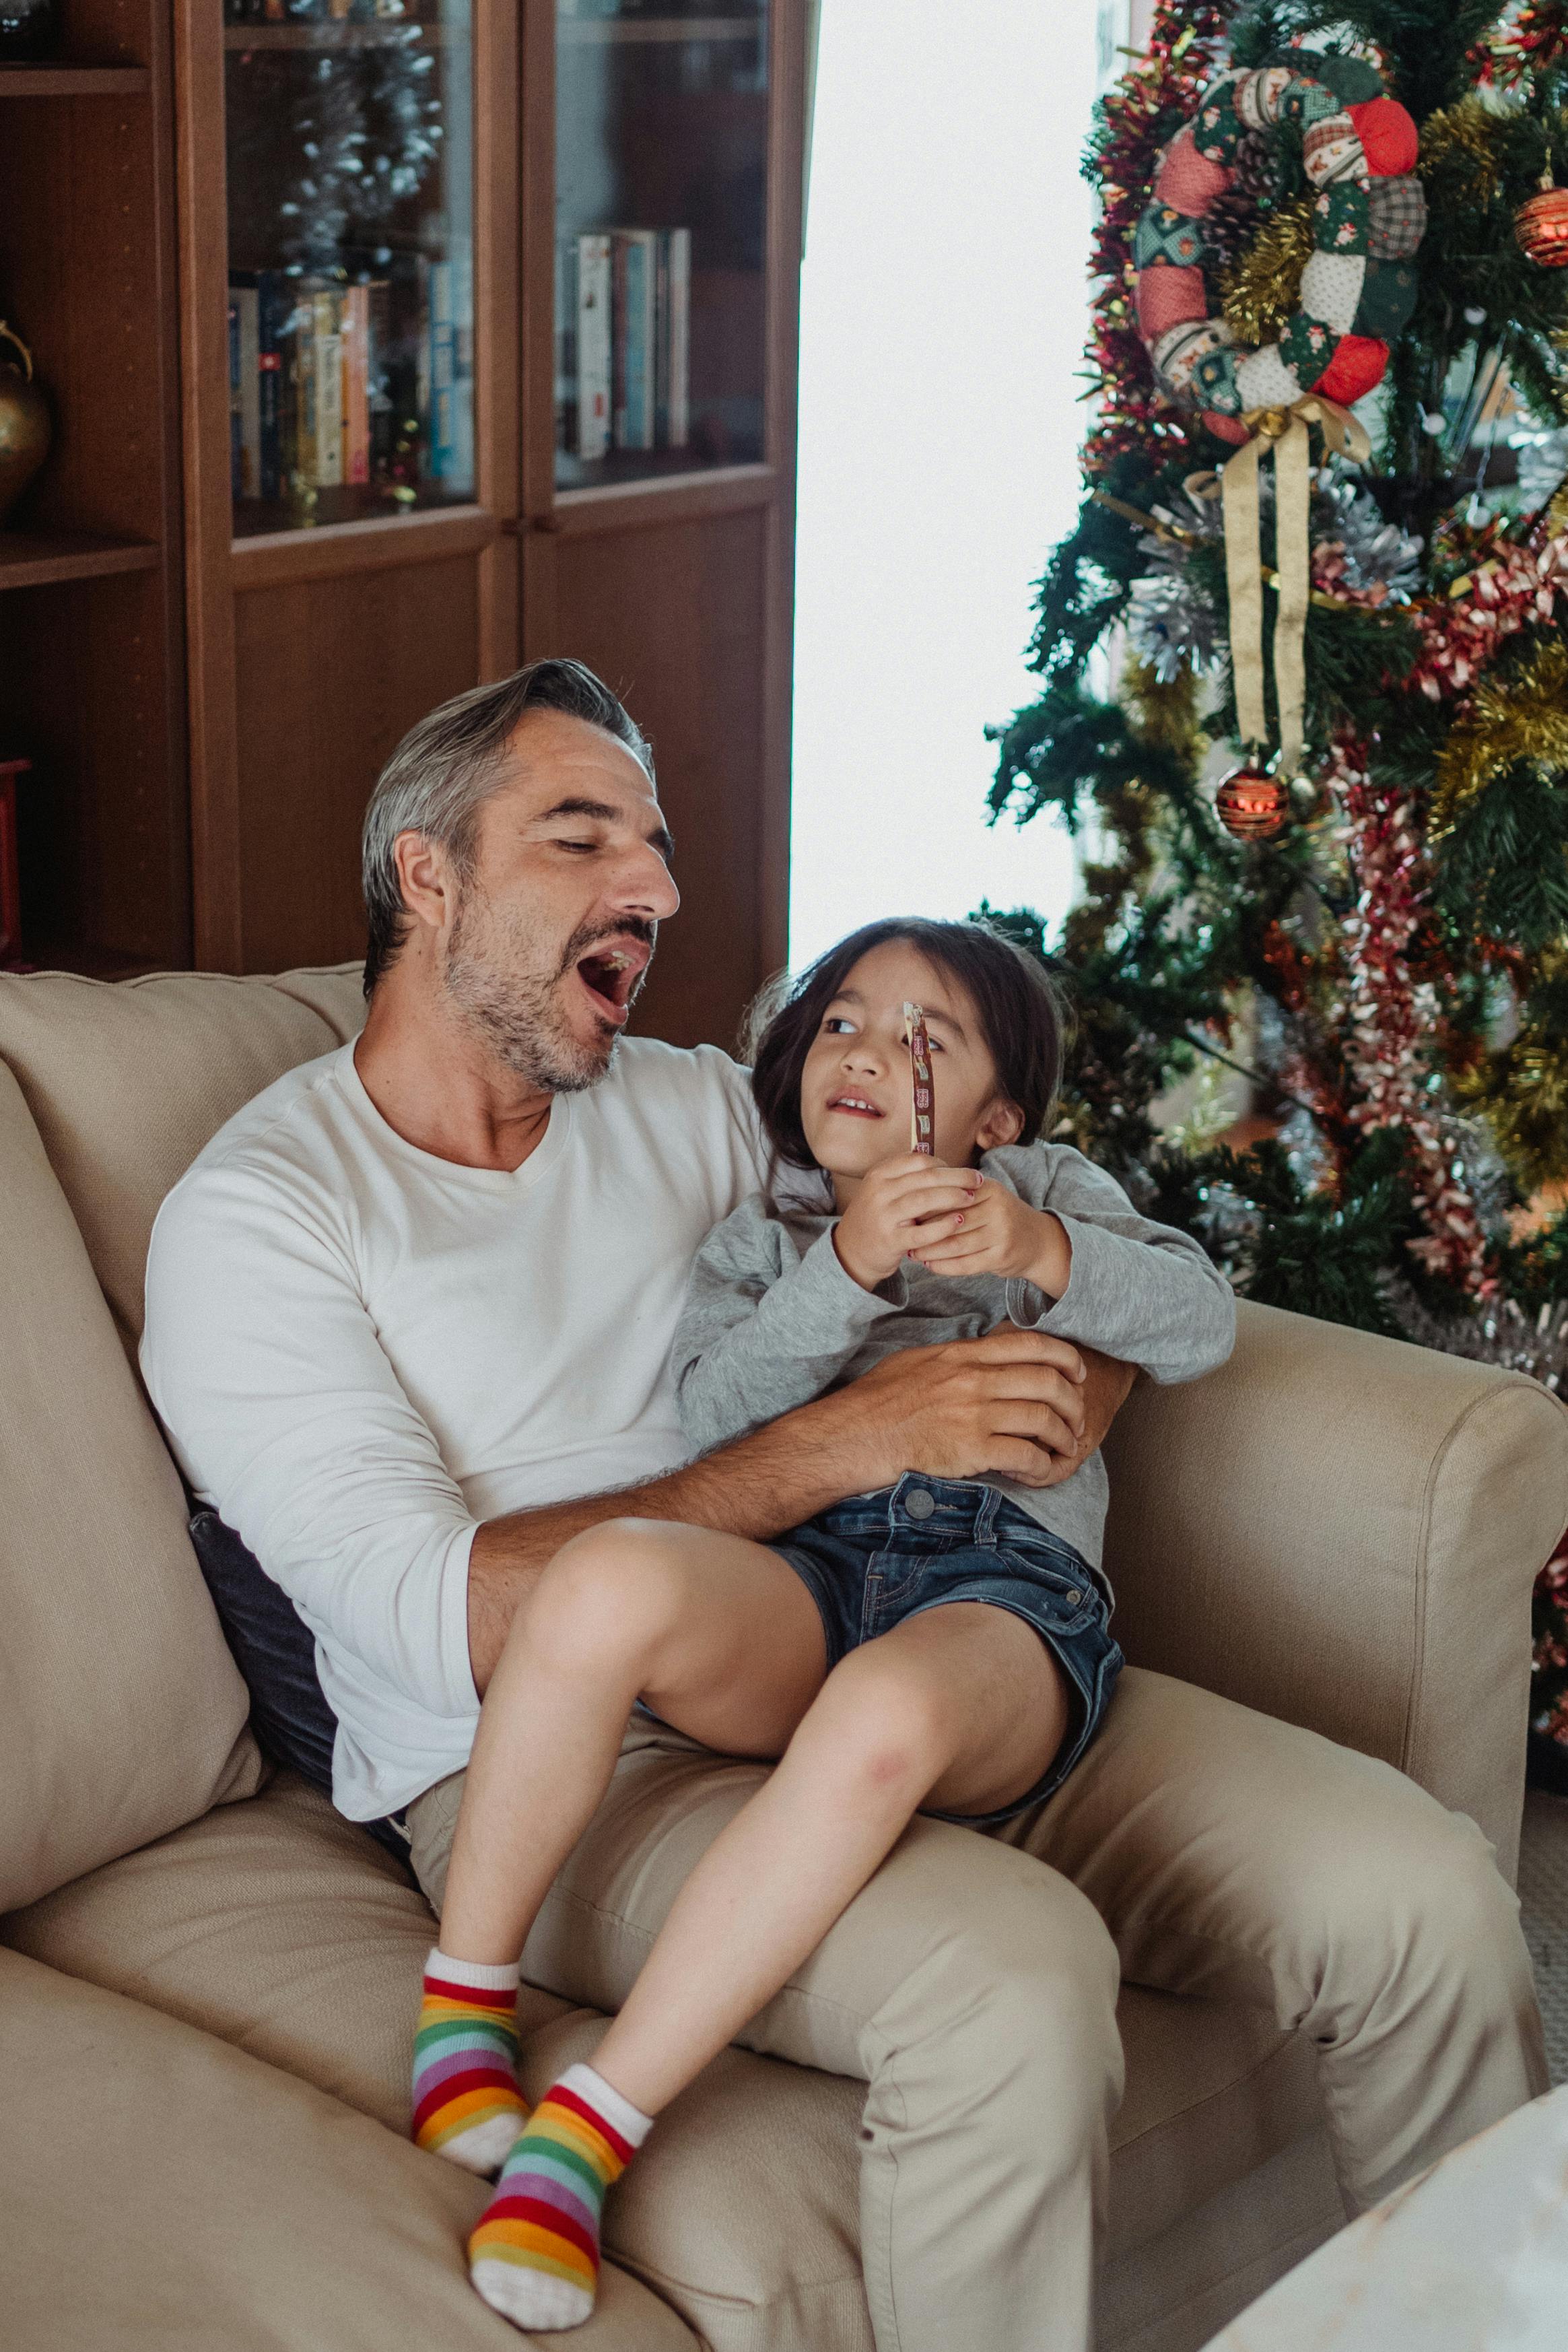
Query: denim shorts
point(872, 1561)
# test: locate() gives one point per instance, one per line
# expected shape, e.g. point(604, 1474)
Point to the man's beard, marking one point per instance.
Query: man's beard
point(516, 1011)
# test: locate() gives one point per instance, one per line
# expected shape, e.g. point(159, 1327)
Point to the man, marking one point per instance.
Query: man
point(407, 1323)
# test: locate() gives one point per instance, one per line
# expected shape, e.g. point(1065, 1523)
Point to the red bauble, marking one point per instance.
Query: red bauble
point(1251, 803)
point(1540, 225)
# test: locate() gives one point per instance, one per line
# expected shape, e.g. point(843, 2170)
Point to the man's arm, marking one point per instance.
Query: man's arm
point(1015, 1402)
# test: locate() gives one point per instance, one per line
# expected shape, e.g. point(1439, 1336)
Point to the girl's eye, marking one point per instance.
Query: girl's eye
point(836, 1025)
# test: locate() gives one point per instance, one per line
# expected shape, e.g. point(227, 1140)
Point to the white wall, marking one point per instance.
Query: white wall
point(942, 331)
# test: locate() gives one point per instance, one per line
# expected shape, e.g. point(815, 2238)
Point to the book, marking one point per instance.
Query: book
point(443, 373)
point(462, 468)
point(327, 470)
point(245, 297)
point(233, 399)
point(676, 383)
point(593, 344)
point(634, 264)
point(274, 305)
point(356, 335)
point(383, 408)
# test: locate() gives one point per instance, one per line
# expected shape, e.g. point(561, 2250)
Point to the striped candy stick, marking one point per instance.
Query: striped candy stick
point(921, 1136)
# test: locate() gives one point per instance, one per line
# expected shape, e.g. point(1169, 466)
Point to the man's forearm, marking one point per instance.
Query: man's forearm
point(757, 1487)
point(952, 1411)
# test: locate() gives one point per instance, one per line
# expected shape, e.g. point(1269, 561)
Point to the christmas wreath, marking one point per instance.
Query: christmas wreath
point(1355, 148)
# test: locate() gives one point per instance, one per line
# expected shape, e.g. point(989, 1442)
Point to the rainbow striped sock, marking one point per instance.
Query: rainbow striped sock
point(466, 2103)
point(534, 2255)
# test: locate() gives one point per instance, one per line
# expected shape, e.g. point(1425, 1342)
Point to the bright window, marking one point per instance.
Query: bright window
point(942, 333)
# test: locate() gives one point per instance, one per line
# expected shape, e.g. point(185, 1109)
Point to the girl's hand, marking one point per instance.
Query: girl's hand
point(900, 1208)
point(1001, 1235)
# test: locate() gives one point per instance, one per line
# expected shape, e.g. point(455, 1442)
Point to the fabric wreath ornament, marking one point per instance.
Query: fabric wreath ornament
point(1357, 150)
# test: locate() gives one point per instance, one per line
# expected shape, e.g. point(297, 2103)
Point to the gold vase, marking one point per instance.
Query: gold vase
point(25, 427)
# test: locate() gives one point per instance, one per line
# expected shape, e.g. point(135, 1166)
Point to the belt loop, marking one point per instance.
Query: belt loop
point(986, 1517)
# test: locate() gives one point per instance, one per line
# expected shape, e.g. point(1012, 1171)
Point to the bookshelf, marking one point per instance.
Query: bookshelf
point(215, 620)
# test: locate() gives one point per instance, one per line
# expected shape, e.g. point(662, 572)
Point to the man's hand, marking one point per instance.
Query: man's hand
point(1013, 1402)
point(998, 1233)
point(901, 1205)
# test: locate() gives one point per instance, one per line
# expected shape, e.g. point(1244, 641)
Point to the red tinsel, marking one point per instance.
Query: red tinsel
point(1139, 114)
point(1392, 1016)
point(1510, 583)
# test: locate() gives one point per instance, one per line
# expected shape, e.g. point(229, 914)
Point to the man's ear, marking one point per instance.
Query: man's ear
point(425, 879)
point(1002, 1123)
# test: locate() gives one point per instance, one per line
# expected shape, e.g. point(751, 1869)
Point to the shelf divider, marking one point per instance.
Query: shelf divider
point(74, 81)
point(47, 558)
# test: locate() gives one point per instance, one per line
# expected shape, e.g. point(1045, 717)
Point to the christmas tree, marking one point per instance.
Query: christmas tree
point(1370, 922)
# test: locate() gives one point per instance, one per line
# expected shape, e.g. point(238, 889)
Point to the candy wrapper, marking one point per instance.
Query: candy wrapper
point(921, 1135)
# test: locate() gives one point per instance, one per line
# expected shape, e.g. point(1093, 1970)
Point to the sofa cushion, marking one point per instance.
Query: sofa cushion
point(236, 2207)
point(121, 1715)
point(128, 1080)
point(277, 1926)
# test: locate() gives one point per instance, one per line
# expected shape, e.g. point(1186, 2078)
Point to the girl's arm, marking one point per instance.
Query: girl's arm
point(765, 1329)
point(1137, 1290)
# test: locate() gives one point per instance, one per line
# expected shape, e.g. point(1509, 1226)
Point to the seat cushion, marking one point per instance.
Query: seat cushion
point(236, 2205)
point(121, 1713)
point(279, 1927)
point(128, 1080)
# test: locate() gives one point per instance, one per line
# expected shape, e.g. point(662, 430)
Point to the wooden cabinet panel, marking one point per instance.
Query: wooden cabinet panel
point(674, 617)
point(329, 674)
point(102, 842)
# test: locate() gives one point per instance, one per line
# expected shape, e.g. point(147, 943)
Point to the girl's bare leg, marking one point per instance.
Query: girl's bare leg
point(963, 1707)
point(718, 1635)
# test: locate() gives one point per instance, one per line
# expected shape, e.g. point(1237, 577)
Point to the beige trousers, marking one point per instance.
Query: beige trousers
point(1199, 1847)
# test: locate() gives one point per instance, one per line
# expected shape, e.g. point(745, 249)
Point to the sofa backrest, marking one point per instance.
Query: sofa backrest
point(127, 1081)
point(121, 1713)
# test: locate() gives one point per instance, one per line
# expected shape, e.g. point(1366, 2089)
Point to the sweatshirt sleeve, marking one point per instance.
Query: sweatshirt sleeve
point(1139, 1291)
point(263, 1364)
point(764, 1330)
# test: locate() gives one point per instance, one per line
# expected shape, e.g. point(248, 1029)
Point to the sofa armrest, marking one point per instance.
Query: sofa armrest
point(1343, 1531)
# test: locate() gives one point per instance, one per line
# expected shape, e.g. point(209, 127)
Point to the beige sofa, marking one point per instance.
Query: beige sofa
point(208, 1981)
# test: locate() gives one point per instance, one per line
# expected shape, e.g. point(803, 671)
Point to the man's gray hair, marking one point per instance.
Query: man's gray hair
point(446, 768)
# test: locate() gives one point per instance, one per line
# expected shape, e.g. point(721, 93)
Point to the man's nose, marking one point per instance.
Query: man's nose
point(646, 886)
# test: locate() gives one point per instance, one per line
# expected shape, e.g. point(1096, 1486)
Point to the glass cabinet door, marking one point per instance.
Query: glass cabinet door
point(351, 243)
point(660, 175)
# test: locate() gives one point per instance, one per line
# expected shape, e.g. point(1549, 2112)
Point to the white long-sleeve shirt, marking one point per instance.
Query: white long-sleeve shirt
point(361, 1351)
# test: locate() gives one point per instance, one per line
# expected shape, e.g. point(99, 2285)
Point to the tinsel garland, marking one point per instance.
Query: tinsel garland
point(1138, 114)
point(1507, 585)
point(1263, 287)
point(1461, 141)
point(1523, 716)
point(1521, 1087)
point(1391, 1018)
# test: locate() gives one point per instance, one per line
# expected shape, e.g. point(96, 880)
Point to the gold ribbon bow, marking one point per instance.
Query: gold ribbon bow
point(1283, 431)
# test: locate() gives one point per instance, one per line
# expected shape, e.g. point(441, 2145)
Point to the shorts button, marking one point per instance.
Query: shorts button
point(919, 1504)
point(1073, 1598)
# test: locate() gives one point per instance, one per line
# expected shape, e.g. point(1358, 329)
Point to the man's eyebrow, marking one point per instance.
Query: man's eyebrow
point(606, 812)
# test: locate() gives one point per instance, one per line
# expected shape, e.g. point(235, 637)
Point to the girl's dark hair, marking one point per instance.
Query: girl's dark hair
point(1012, 993)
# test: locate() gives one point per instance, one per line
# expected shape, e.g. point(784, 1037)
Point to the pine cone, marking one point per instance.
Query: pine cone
point(1230, 221)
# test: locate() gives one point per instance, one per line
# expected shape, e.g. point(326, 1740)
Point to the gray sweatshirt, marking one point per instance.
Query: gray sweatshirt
point(771, 1320)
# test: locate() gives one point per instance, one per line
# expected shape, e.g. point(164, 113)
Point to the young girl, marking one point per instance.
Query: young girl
point(941, 1644)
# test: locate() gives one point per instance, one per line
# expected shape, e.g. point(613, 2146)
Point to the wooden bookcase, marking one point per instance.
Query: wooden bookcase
point(206, 705)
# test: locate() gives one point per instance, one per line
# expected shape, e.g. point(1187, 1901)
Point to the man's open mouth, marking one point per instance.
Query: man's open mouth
point(610, 973)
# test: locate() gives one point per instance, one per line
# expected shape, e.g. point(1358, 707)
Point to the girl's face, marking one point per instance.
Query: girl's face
point(857, 1087)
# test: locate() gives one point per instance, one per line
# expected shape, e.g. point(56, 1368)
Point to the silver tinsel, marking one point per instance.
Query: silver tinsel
point(1172, 625)
point(1376, 552)
point(1499, 1334)
point(1541, 453)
